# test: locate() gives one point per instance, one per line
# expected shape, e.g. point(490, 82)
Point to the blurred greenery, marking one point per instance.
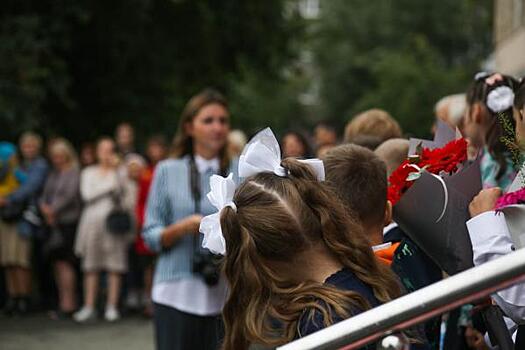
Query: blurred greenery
point(77, 68)
point(398, 55)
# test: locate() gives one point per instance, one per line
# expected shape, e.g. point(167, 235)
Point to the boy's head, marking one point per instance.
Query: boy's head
point(375, 123)
point(359, 177)
point(393, 152)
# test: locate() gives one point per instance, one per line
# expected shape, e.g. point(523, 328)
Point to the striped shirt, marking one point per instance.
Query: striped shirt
point(170, 200)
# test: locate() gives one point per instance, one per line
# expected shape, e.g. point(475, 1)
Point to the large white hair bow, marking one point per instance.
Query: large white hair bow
point(500, 99)
point(263, 153)
point(220, 196)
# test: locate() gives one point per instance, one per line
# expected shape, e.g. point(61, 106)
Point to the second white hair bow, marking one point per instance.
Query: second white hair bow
point(263, 153)
point(220, 196)
point(500, 99)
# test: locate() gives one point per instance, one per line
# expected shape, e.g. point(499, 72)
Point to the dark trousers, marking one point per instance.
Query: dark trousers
point(177, 330)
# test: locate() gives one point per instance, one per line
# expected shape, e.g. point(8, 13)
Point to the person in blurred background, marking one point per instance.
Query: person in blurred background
point(371, 128)
point(156, 151)
point(16, 244)
point(125, 138)
point(102, 186)
point(188, 292)
point(236, 142)
point(87, 155)
point(60, 205)
point(294, 144)
point(135, 165)
point(489, 109)
point(325, 136)
point(451, 109)
point(393, 152)
point(10, 180)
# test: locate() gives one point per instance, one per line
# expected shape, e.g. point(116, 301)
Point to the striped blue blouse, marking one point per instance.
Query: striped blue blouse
point(170, 200)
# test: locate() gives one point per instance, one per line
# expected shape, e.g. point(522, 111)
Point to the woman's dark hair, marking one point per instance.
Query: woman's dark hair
point(183, 143)
point(302, 139)
point(478, 93)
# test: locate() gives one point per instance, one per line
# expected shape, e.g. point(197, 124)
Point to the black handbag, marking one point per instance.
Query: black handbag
point(12, 212)
point(54, 243)
point(119, 221)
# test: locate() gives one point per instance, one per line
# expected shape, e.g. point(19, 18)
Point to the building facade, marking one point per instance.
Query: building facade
point(509, 37)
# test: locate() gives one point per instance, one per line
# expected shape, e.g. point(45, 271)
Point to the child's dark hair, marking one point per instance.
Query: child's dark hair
point(278, 218)
point(478, 93)
point(358, 176)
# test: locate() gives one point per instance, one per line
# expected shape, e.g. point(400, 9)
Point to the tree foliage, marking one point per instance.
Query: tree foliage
point(398, 55)
point(78, 68)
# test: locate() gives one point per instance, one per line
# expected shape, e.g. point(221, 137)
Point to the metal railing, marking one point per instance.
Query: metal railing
point(416, 307)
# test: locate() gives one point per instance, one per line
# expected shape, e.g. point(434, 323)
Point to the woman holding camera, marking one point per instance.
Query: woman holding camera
point(188, 293)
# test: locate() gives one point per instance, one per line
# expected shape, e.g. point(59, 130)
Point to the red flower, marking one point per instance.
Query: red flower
point(445, 159)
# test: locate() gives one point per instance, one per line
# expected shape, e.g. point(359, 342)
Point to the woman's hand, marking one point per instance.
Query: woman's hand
point(188, 225)
point(48, 214)
point(192, 223)
point(484, 201)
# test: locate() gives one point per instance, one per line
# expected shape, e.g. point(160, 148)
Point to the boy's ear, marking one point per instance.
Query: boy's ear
point(388, 213)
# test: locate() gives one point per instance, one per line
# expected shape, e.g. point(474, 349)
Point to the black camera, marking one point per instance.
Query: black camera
point(208, 266)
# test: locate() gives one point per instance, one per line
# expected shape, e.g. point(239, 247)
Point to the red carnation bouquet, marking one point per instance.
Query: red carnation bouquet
point(446, 159)
point(430, 193)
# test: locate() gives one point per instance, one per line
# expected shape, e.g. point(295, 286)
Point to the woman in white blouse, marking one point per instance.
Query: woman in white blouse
point(99, 249)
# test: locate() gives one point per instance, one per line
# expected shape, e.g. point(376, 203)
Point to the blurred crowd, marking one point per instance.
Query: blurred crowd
point(80, 231)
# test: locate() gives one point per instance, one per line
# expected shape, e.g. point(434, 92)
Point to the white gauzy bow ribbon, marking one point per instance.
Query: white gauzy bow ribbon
point(500, 99)
point(263, 153)
point(220, 196)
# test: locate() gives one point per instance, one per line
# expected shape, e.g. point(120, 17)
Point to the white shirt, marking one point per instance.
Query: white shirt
point(204, 164)
point(491, 239)
point(192, 295)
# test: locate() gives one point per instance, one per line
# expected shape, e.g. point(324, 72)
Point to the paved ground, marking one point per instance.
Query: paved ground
point(40, 333)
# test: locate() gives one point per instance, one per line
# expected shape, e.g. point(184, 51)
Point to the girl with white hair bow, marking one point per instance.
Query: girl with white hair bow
point(488, 123)
point(294, 260)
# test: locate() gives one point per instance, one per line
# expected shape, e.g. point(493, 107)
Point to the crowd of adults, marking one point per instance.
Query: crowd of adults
point(125, 222)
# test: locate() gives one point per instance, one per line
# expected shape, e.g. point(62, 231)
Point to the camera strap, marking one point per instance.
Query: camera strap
point(195, 186)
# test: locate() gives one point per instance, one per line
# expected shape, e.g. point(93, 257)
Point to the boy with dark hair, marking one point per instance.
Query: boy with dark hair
point(359, 177)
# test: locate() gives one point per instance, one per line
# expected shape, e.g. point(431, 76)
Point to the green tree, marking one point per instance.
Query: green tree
point(78, 68)
point(398, 55)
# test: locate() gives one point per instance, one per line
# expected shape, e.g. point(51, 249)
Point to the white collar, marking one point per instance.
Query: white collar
point(204, 164)
point(381, 246)
point(389, 227)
